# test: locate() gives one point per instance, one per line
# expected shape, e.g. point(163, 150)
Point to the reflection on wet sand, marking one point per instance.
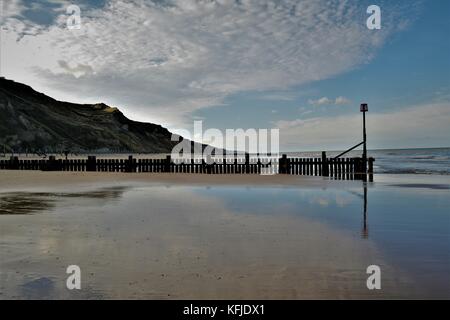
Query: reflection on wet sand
point(363, 196)
point(23, 203)
point(32, 202)
point(365, 230)
point(365, 227)
point(212, 242)
point(182, 242)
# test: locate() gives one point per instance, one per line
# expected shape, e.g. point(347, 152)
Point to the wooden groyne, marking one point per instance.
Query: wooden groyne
point(341, 168)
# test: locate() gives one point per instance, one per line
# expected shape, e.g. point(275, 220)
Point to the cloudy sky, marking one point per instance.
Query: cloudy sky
point(301, 66)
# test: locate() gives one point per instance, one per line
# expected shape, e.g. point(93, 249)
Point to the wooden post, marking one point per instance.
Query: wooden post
point(358, 168)
point(129, 164)
point(247, 163)
point(208, 164)
point(371, 160)
point(283, 164)
point(51, 164)
point(315, 170)
point(14, 163)
point(91, 163)
point(167, 163)
point(325, 171)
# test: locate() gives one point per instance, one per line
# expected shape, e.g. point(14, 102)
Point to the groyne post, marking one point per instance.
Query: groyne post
point(325, 170)
point(91, 164)
point(167, 163)
point(14, 163)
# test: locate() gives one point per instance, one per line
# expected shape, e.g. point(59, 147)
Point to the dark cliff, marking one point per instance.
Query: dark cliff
point(31, 121)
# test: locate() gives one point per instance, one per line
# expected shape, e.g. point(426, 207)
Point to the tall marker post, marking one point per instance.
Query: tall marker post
point(364, 108)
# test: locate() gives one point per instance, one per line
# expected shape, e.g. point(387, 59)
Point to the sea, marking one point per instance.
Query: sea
point(399, 161)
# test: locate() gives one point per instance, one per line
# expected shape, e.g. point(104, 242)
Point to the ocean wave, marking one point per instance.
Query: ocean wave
point(411, 171)
point(422, 157)
point(405, 161)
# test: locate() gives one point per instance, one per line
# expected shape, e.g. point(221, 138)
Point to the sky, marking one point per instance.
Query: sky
point(300, 66)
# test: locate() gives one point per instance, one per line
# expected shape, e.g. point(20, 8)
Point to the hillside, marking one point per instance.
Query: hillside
point(33, 122)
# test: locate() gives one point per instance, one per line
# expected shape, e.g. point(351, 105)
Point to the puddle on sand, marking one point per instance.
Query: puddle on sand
point(21, 203)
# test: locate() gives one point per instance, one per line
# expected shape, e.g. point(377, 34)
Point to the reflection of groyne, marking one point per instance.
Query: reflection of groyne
point(339, 168)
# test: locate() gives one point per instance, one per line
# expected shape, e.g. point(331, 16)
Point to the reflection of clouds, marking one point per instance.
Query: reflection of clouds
point(37, 288)
point(330, 198)
point(343, 201)
point(323, 202)
point(326, 198)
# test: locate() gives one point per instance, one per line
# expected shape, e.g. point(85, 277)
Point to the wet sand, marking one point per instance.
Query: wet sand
point(12, 179)
point(161, 236)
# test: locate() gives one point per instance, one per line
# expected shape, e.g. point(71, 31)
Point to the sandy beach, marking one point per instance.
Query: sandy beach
point(175, 236)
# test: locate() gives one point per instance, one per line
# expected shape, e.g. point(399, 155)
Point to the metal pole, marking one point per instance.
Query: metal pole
point(365, 146)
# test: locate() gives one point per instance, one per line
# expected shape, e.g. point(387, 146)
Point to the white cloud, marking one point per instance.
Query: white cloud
point(423, 125)
point(320, 102)
point(162, 61)
point(327, 101)
point(341, 101)
point(10, 8)
point(279, 96)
